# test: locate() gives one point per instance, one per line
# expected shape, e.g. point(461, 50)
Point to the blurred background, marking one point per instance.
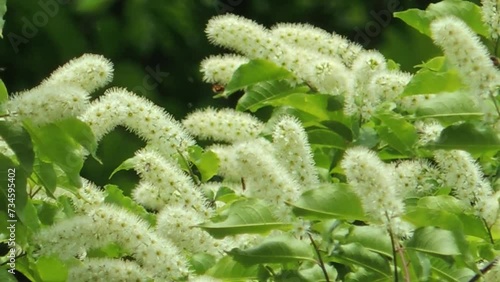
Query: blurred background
point(165, 39)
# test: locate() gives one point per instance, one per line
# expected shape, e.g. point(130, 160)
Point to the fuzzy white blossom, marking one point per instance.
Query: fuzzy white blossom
point(464, 50)
point(461, 173)
point(89, 72)
point(229, 166)
point(416, 178)
point(180, 225)
point(140, 116)
point(107, 224)
point(220, 68)
point(317, 40)
point(225, 125)
point(266, 177)
point(428, 131)
point(491, 17)
point(294, 152)
point(166, 184)
point(104, 269)
point(373, 181)
point(47, 104)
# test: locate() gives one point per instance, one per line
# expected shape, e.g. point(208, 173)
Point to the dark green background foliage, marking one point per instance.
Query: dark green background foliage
point(168, 35)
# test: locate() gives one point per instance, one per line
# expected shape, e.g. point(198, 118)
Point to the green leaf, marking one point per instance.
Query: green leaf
point(396, 131)
point(6, 276)
point(51, 269)
point(450, 272)
point(207, 162)
point(231, 270)
point(316, 274)
point(20, 142)
point(53, 143)
point(4, 95)
point(115, 196)
point(261, 94)
point(326, 138)
point(434, 241)
point(469, 12)
point(249, 216)
point(433, 77)
point(474, 138)
point(449, 108)
point(275, 249)
point(125, 165)
point(81, 133)
point(356, 254)
point(29, 216)
point(317, 105)
point(3, 10)
point(47, 212)
point(46, 176)
point(373, 238)
point(335, 200)
point(255, 71)
point(201, 262)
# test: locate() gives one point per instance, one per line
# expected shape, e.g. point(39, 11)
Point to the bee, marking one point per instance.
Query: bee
point(217, 88)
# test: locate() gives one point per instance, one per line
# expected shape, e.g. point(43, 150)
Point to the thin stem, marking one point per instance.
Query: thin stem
point(484, 270)
point(320, 260)
point(495, 102)
point(396, 278)
point(403, 262)
point(492, 241)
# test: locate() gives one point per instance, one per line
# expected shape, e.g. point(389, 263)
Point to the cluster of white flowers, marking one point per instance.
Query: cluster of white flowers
point(220, 68)
point(327, 62)
point(374, 182)
point(491, 17)
point(102, 269)
point(225, 125)
point(416, 178)
point(64, 94)
point(464, 50)
point(104, 225)
point(120, 107)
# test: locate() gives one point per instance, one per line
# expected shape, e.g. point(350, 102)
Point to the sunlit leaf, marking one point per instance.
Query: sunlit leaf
point(275, 249)
point(253, 72)
point(329, 201)
point(434, 241)
point(245, 216)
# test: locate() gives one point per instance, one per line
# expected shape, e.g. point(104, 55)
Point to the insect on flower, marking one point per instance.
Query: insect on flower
point(218, 88)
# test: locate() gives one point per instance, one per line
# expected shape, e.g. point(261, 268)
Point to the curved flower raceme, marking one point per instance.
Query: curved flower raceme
point(462, 174)
point(317, 40)
point(166, 184)
point(225, 125)
point(326, 73)
point(220, 68)
point(293, 151)
point(159, 257)
point(120, 107)
point(464, 49)
point(373, 181)
point(47, 104)
point(88, 72)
